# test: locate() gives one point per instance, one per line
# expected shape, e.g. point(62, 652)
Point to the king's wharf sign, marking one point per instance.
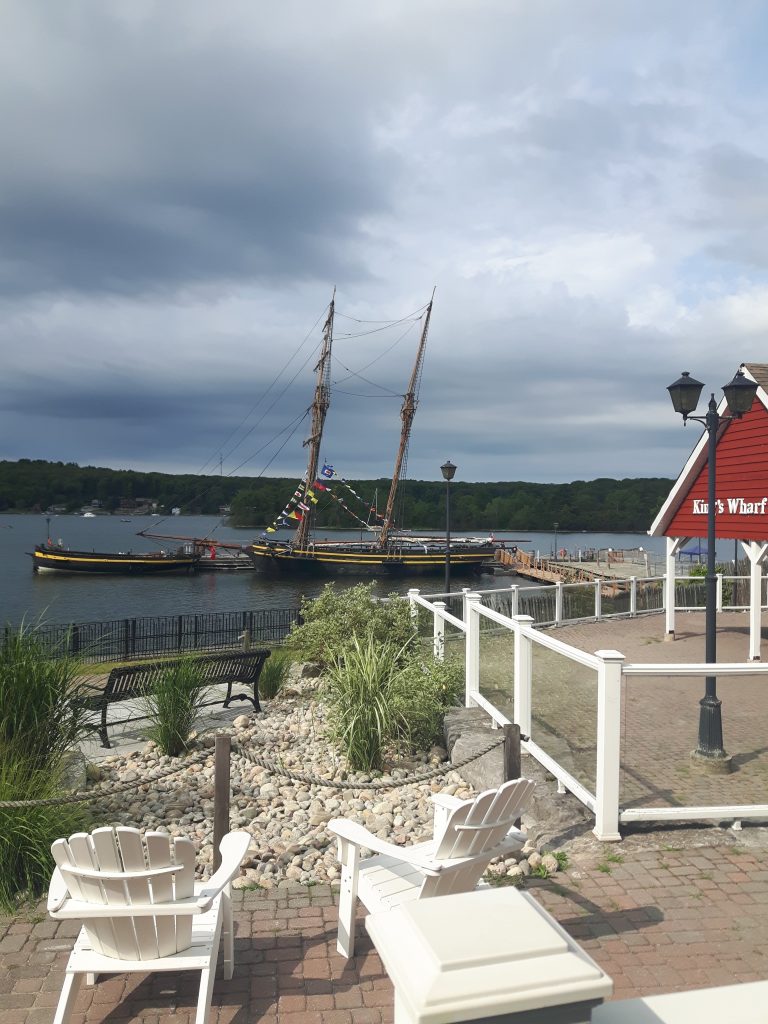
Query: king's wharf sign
point(735, 506)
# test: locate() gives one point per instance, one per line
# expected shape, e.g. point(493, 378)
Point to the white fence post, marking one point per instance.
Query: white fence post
point(472, 645)
point(523, 674)
point(515, 602)
point(558, 603)
point(608, 745)
point(438, 630)
point(633, 595)
point(412, 595)
point(669, 588)
point(719, 600)
point(598, 601)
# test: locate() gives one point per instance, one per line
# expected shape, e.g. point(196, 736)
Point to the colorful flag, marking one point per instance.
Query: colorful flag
point(328, 471)
point(320, 486)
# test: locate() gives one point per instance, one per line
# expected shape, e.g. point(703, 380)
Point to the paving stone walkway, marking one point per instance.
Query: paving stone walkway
point(656, 920)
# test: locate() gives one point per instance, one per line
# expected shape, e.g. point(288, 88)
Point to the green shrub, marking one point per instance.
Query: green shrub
point(332, 620)
point(274, 673)
point(421, 693)
point(26, 833)
point(174, 704)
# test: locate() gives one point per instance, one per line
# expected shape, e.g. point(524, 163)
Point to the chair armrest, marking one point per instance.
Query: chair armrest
point(358, 835)
point(443, 805)
point(78, 909)
point(233, 848)
point(57, 892)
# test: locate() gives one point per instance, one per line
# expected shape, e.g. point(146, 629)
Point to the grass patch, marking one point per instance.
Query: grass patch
point(503, 881)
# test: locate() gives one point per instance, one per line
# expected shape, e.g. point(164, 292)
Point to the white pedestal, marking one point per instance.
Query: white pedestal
point(493, 955)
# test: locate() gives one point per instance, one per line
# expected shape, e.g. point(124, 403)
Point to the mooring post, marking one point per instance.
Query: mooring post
point(221, 790)
point(512, 766)
point(511, 752)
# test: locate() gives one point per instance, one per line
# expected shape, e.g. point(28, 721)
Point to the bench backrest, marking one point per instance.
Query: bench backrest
point(240, 667)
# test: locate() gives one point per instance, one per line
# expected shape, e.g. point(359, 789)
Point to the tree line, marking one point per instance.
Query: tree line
point(600, 505)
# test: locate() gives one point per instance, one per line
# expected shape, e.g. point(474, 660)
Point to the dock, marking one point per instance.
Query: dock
point(605, 565)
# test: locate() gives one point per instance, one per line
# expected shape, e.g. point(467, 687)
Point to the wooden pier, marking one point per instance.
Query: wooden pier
point(563, 570)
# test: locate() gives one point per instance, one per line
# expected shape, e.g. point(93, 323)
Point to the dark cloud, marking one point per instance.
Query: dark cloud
point(183, 184)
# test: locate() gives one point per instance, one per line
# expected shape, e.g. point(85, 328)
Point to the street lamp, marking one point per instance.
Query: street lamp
point(449, 471)
point(739, 395)
point(556, 525)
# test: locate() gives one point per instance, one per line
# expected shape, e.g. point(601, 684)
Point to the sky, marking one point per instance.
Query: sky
point(583, 183)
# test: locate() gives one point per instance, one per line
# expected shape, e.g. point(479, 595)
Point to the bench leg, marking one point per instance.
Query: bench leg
point(243, 696)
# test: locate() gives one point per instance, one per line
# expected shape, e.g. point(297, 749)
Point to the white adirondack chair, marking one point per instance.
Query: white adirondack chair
point(468, 834)
point(141, 907)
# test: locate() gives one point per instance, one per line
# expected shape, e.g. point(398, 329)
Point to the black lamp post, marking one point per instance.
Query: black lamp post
point(739, 395)
point(449, 471)
point(556, 525)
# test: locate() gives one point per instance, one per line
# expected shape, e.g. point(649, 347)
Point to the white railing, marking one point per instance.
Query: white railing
point(611, 670)
point(557, 604)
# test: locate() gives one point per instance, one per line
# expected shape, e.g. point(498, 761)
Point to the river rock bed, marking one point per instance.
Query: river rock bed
point(286, 818)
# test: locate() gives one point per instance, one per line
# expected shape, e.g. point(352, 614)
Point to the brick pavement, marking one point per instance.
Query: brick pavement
point(656, 920)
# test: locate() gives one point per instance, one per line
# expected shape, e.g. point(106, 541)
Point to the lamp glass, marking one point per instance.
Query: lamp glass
point(685, 393)
point(448, 470)
point(740, 394)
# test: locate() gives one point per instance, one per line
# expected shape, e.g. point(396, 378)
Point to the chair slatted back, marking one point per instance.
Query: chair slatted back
point(474, 827)
point(156, 870)
point(482, 823)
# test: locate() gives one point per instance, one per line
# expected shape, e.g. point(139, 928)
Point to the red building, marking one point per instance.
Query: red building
point(741, 491)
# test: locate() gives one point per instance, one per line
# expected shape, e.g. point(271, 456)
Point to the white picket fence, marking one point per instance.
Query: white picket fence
point(611, 671)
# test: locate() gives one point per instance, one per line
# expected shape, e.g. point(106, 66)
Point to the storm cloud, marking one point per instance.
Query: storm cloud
point(184, 184)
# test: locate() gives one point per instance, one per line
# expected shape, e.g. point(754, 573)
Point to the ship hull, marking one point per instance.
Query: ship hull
point(359, 560)
point(54, 560)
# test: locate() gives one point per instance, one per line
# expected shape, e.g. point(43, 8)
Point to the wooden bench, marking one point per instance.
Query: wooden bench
point(130, 681)
point(746, 1003)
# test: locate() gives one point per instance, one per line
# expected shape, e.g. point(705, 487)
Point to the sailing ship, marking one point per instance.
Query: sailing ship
point(50, 557)
point(389, 551)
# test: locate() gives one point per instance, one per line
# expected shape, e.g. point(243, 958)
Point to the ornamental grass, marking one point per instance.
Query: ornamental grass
point(175, 703)
point(41, 721)
point(274, 673)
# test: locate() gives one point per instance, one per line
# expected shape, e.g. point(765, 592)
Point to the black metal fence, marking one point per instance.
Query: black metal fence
point(125, 639)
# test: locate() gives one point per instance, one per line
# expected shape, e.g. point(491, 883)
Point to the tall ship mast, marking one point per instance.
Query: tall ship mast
point(407, 412)
point(388, 552)
point(319, 407)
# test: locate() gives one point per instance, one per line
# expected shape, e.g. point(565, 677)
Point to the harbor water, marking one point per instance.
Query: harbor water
point(54, 598)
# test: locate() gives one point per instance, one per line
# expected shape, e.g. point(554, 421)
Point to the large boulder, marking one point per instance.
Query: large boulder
point(467, 731)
